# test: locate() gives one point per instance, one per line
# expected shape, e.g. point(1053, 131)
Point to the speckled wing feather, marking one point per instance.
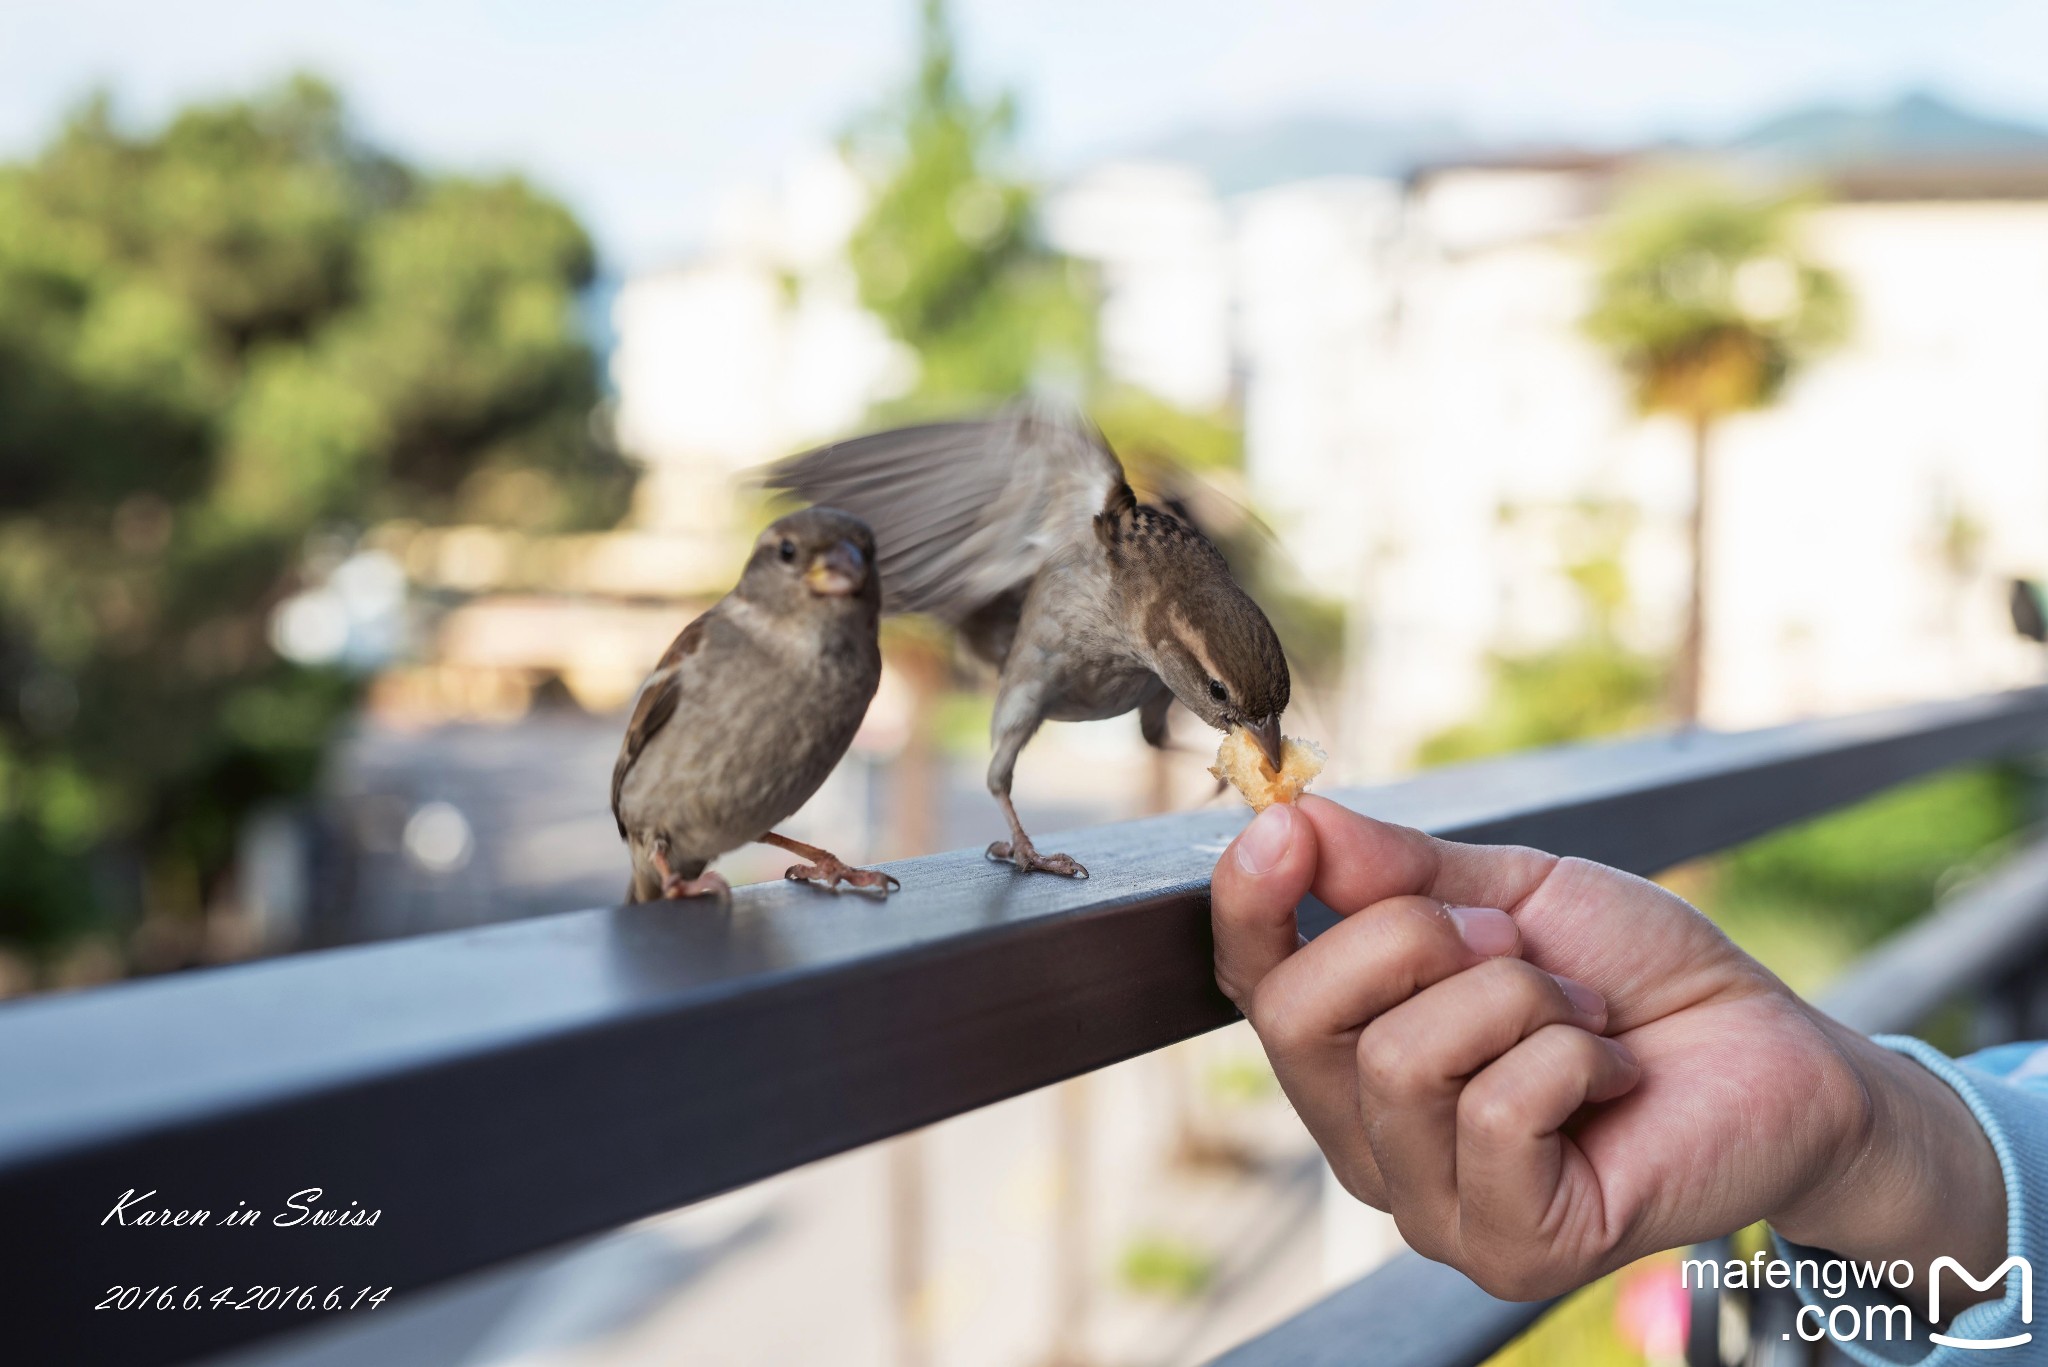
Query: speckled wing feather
point(655, 705)
point(964, 512)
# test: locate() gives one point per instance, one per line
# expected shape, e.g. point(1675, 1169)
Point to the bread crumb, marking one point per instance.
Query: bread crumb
point(1241, 763)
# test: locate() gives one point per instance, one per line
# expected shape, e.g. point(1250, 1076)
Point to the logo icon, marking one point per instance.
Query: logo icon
point(1997, 1275)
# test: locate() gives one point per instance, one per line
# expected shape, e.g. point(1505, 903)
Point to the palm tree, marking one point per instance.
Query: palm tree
point(1708, 307)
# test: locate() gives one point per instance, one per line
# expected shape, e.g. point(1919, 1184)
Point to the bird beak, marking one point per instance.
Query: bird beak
point(837, 572)
point(1267, 734)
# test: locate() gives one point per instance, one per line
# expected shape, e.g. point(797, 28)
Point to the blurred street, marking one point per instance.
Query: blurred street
point(464, 824)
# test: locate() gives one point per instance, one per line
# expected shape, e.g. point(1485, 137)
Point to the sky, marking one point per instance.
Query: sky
point(642, 113)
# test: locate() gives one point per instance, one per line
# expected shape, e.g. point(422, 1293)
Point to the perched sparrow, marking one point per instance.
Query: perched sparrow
point(751, 707)
point(1021, 532)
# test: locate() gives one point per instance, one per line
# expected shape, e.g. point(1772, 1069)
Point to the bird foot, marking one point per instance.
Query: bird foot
point(1029, 860)
point(831, 871)
point(706, 884)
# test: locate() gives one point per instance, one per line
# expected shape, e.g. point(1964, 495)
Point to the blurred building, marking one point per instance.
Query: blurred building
point(1159, 240)
point(751, 350)
point(1861, 528)
point(1423, 417)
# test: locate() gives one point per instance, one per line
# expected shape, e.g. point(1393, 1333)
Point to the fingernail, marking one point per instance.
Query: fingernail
point(1486, 931)
point(1264, 843)
point(1584, 999)
point(1623, 1052)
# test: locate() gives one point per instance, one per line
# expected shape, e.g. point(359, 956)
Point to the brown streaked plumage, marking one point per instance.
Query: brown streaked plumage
point(750, 708)
point(1022, 532)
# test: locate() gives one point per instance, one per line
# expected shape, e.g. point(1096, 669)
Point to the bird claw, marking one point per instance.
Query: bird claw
point(830, 872)
point(706, 884)
point(1029, 860)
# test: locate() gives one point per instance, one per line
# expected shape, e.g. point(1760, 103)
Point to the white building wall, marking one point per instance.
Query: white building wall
point(1835, 587)
point(1316, 300)
point(752, 351)
point(1157, 236)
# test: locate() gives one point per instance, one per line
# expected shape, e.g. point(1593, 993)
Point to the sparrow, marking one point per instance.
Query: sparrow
point(1022, 533)
point(750, 708)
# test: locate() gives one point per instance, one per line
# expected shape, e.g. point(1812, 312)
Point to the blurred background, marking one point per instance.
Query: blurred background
point(381, 387)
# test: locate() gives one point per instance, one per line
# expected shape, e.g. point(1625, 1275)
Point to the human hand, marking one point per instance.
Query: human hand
point(1545, 1068)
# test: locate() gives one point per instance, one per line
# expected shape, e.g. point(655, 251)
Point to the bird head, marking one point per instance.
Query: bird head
point(1212, 645)
point(816, 557)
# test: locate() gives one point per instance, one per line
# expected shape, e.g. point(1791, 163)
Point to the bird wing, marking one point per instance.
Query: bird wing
point(655, 705)
point(964, 512)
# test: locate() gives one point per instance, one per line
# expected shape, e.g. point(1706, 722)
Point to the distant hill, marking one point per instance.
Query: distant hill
point(1251, 158)
point(1918, 127)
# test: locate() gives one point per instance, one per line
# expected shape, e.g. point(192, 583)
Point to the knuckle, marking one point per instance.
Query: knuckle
point(1282, 1025)
point(1428, 1234)
point(1560, 1047)
point(1490, 1113)
point(1411, 939)
point(1363, 1181)
point(1527, 990)
point(1425, 1237)
point(1390, 1065)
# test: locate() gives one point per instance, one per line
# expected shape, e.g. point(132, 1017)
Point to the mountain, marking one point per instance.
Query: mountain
point(1917, 127)
point(1253, 157)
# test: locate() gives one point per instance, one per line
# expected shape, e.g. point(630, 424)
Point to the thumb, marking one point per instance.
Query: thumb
point(1260, 879)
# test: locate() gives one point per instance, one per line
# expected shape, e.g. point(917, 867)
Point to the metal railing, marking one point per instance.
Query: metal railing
point(499, 1091)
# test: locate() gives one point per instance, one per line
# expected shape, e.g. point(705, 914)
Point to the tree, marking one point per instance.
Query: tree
point(949, 255)
point(217, 339)
point(1707, 305)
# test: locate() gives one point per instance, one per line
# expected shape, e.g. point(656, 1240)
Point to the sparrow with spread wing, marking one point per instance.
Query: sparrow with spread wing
point(750, 708)
point(1021, 532)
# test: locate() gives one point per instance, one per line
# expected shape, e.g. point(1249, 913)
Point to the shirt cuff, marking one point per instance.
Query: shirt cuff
point(2016, 1122)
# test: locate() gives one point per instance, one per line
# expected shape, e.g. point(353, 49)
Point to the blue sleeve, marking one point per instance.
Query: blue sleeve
point(2006, 1089)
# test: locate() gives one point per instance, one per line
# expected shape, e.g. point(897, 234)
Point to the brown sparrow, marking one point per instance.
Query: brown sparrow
point(750, 708)
point(1021, 533)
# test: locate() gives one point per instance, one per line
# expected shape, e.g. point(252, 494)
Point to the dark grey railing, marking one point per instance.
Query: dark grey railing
point(499, 1091)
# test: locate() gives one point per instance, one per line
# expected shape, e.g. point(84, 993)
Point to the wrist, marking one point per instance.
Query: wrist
point(1909, 1173)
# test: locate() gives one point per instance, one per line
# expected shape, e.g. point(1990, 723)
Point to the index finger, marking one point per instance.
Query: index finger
point(1362, 861)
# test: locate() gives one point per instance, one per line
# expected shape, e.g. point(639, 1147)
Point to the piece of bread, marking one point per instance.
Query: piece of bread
point(1241, 763)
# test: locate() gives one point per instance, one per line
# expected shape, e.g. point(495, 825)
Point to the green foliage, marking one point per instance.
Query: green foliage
point(1582, 689)
point(216, 339)
point(1241, 1080)
point(1704, 298)
point(948, 255)
point(1154, 1265)
point(1590, 686)
point(1863, 872)
point(1150, 433)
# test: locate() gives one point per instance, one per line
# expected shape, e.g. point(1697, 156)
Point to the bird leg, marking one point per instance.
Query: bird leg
point(828, 868)
point(674, 887)
point(1019, 850)
point(1019, 710)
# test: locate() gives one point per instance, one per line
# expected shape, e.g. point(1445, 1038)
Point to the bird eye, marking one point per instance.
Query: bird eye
point(1218, 691)
point(787, 550)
